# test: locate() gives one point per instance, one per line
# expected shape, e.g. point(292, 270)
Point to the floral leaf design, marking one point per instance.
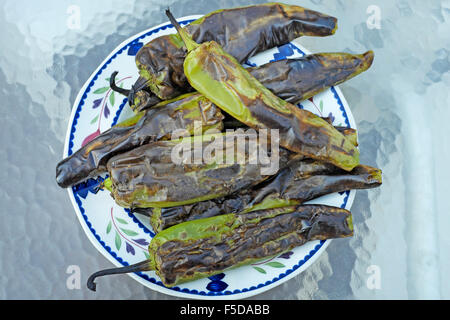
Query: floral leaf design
point(142, 242)
point(320, 108)
point(321, 105)
point(112, 98)
point(96, 103)
point(260, 270)
point(118, 241)
point(95, 119)
point(275, 264)
point(286, 255)
point(106, 111)
point(90, 137)
point(108, 228)
point(130, 248)
point(101, 90)
point(147, 256)
point(121, 221)
point(129, 232)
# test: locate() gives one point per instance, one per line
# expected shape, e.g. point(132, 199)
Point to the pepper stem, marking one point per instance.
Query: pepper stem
point(138, 267)
point(190, 44)
point(114, 87)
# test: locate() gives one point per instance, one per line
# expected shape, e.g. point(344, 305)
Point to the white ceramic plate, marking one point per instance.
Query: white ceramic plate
point(121, 236)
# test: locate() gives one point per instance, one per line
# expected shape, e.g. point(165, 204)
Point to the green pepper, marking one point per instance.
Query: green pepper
point(204, 247)
point(242, 31)
point(297, 184)
point(166, 173)
point(220, 77)
point(293, 80)
point(349, 133)
point(298, 79)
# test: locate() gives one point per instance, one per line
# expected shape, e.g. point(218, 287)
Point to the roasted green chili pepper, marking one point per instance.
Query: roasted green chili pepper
point(300, 181)
point(220, 77)
point(242, 31)
point(162, 218)
point(295, 185)
point(349, 133)
point(293, 80)
point(204, 247)
point(159, 174)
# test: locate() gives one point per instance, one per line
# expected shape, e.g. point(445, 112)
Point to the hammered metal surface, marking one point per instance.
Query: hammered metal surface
point(401, 106)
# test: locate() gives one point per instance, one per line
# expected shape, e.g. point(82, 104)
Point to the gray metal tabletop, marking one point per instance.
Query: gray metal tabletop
point(401, 245)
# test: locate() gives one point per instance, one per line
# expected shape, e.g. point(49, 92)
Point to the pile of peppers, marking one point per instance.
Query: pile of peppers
point(210, 217)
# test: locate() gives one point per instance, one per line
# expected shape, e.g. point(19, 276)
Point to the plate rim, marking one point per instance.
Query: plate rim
point(153, 286)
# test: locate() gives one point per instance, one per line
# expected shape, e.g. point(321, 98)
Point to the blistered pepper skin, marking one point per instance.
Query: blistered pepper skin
point(150, 125)
point(205, 247)
point(242, 31)
point(148, 176)
point(162, 218)
point(238, 240)
point(300, 181)
point(218, 76)
point(297, 79)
